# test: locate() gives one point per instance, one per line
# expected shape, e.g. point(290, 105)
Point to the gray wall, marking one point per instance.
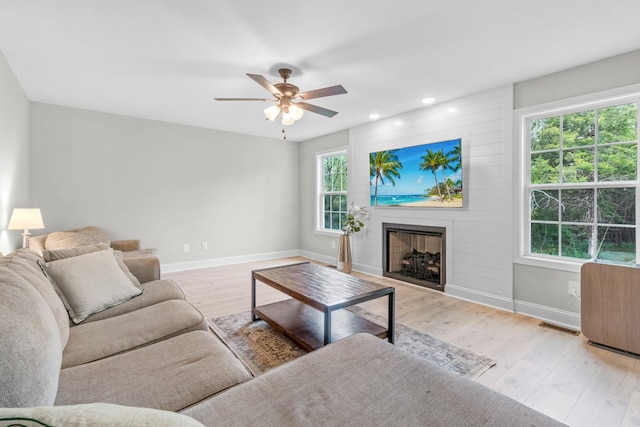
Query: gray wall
point(610, 73)
point(165, 184)
point(14, 153)
point(543, 292)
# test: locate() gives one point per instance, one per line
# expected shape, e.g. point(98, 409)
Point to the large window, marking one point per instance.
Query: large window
point(332, 171)
point(582, 183)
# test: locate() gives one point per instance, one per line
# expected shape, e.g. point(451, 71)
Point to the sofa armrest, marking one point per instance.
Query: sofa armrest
point(145, 269)
point(126, 245)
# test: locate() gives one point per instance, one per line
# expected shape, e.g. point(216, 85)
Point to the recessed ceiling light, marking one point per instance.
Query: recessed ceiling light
point(428, 100)
point(452, 110)
point(398, 123)
point(374, 116)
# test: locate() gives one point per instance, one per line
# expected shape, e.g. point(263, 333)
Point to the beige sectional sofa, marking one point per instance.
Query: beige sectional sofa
point(153, 350)
point(131, 363)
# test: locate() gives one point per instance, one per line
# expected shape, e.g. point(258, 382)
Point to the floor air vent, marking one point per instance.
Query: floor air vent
point(559, 328)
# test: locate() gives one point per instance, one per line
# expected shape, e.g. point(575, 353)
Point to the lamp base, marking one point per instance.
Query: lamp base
point(25, 239)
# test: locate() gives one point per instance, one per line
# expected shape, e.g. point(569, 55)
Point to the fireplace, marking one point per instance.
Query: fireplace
point(414, 254)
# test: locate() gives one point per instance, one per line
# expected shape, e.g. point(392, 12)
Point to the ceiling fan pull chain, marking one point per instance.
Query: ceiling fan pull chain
point(284, 134)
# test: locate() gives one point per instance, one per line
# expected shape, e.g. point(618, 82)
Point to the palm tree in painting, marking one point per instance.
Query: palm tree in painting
point(452, 161)
point(383, 164)
point(456, 158)
point(446, 163)
point(432, 161)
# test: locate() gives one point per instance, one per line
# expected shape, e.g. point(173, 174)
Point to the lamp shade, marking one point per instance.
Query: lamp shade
point(296, 112)
point(287, 118)
point(25, 219)
point(272, 112)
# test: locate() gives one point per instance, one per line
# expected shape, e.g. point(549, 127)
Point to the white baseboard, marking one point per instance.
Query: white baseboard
point(479, 297)
point(216, 262)
point(566, 319)
point(331, 260)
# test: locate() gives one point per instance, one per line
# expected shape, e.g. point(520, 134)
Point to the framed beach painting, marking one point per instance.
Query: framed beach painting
point(427, 175)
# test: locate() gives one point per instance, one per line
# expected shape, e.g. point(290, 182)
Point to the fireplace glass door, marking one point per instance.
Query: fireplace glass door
point(415, 255)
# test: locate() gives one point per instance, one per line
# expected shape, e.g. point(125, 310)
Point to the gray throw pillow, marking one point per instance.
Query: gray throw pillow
point(58, 254)
point(90, 283)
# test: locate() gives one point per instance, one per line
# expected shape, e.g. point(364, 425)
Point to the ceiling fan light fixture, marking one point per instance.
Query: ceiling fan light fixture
point(296, 112)
point(287, 118)
point(285, 93)
point(272, 112)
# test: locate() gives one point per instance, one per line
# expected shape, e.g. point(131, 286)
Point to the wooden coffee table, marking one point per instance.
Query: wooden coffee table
point(311, 318)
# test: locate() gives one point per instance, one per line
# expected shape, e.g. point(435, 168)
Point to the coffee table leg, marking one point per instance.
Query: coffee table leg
point(327, 326)
point(391, 327)
point(253, 297)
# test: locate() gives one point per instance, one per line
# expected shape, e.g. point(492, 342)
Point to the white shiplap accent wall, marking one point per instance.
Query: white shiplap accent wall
point(479, 236)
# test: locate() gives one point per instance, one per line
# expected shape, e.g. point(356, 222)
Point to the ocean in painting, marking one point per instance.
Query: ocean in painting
point(391, 200)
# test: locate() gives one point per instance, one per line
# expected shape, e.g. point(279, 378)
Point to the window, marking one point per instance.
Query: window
point(332, 179)
point(582, 183)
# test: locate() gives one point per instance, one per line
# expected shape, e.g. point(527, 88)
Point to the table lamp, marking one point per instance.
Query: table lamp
point(25, 219)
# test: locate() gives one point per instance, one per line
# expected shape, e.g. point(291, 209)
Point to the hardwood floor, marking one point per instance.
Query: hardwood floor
point(551, 371)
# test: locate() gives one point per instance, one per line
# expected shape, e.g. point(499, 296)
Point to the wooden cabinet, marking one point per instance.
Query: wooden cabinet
point(610, 307)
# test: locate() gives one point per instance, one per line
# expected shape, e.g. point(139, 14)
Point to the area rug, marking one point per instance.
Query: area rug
point(261, 348)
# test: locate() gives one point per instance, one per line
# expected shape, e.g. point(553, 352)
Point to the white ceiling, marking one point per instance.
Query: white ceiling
point(167, 59)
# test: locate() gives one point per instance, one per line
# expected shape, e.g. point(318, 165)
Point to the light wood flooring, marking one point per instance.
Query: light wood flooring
point(551, 371)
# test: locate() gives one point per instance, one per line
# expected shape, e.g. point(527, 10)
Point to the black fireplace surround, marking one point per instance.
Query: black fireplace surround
point(414, 254)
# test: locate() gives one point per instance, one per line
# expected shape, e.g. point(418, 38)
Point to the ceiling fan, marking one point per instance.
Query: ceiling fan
point(289, 100)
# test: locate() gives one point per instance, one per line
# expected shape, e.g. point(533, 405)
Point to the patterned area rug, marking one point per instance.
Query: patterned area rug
point(261, 348)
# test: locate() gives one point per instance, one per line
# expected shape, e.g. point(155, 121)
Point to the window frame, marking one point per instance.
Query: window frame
point(320, 193)
point(523, 118)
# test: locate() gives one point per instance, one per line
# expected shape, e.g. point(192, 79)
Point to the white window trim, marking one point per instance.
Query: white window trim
point(319, 187)
point(521, 172)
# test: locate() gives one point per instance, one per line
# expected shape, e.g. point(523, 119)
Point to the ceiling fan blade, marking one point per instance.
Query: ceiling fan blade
point(244, 99)
point(315, 109)
point(265, 83)
point(319, 93)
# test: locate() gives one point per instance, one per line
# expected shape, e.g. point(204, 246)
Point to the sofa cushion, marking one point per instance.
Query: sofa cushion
point(58, 254)
point(94, 414)
point(24, 262)
point(30, 345)
point(363, 380)
point(81, 237)
point(171, 375)
point(90, 283)
point(96, 340)
point(154, 292)
point(145, 269)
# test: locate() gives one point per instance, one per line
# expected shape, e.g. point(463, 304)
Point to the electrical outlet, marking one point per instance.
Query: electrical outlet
point(574, 288)
point(204, 246)
point(185, 247)
point(333, 244)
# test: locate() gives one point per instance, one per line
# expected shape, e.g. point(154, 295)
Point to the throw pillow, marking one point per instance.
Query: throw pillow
point(71, 239)
point(90, 283)
point(58, 254)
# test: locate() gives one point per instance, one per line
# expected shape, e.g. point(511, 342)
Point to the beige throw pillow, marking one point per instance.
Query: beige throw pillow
point(71, 239)
point(90, 283)
point(58, 254)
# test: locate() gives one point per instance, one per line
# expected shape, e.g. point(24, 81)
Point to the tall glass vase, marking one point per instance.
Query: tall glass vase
point(344, 254)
